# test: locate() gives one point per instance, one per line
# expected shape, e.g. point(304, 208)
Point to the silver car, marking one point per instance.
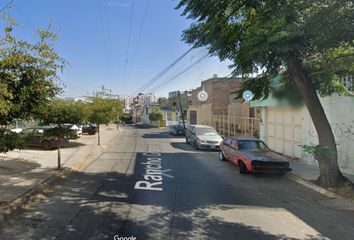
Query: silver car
point(203, 137)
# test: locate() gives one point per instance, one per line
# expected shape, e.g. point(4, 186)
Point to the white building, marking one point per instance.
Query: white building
point(150, 98)
point(128, 102)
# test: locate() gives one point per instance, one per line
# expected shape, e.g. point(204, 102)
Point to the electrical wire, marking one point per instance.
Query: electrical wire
point(105, 34)
point(129, 40)
point(179, 74)
point(160, 74)
point(139, 35)
point(6, 6)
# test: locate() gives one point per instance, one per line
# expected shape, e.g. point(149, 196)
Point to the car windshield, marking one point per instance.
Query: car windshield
point(206, 131)
point(179, 127)
point(252, 144)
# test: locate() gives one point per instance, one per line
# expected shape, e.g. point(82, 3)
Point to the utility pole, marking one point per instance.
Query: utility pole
point(180, 107)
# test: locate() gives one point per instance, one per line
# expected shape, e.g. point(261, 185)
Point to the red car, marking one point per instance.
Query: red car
point(252, 155)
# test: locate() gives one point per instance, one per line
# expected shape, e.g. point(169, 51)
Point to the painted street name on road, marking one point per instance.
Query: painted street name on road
point(153, 176)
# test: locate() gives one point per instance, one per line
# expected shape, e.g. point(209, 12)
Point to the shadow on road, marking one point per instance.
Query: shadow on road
point(157, 135)
point(187, 147)
point(202, 201)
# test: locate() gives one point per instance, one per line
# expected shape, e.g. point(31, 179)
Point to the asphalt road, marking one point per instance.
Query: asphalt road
point(149, 185)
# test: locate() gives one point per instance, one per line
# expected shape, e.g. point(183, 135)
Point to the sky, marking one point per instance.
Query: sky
point(118, 44)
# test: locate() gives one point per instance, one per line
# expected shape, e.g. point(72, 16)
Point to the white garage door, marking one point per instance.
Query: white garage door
point(283, 131)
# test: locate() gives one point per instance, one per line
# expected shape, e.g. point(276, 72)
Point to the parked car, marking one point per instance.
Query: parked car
point(42, 136)
point(252, 155)
point(203, 137)
point(16, 130)
point(75, 130)
point(90, 129)
point(177, 130)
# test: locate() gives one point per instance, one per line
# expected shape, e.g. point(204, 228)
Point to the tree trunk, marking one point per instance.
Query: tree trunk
point(98, 135)
point(330, 174)
point(59, 153)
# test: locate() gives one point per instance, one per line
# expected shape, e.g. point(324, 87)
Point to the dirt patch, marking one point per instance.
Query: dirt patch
point(346, 190)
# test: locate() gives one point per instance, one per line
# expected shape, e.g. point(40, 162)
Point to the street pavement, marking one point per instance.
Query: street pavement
point(149, 185)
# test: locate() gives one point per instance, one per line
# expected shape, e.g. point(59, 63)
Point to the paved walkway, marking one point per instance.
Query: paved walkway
point(22, 170)
point(311, 172)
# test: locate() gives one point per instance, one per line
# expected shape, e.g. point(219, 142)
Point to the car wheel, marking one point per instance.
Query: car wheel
point(221, 156)
point(242, 166)
point(45, 145)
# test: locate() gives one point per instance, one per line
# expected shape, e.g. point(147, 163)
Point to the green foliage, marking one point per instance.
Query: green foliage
point(162, 101)
point(60, 111)
point(264, 34)
point(126, 118)
point(318, 151)
point(9, 140)
point(156, 115)
point(103, 110)
point(28, 78)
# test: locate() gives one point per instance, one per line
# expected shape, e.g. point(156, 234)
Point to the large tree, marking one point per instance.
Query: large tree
point(59, 112)
point(103, 111)
point(310, 41)
point(28, 78)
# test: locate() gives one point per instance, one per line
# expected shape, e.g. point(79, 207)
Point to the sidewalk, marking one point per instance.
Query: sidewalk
point(310, 172)
point(23, 170)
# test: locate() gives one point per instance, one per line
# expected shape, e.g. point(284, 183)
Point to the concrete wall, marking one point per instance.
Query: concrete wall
point(285, 129)
point(340, 113)
point(203, 113)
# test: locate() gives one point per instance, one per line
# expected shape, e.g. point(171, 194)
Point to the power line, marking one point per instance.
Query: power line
point(139, 34)
point(179, 74)
point(160, 74)
point(104, 35)
point(6, 6)
point(129, 39)
point(182, 65)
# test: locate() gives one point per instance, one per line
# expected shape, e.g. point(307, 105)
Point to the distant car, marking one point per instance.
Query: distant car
point(75, 132)
point(42, 136)
point(177, 130)
point(90, 129)
point(203, 137)
point(252, 155)
point(16, 130)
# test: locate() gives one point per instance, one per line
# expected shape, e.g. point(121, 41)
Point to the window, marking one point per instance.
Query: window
point(347, 81)
point(38, 132)
point(251, 144)
point(233, 144)
point(206, 131)
point(227, 142)
point(27, 131)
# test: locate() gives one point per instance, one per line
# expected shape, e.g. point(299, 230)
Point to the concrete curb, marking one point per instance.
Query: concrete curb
point(316, 188)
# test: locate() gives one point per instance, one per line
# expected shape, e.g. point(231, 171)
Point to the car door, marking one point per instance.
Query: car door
point(27, 136)
point(226, 147)
point(233, 151)
point(37, 136)
point(193, 134)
